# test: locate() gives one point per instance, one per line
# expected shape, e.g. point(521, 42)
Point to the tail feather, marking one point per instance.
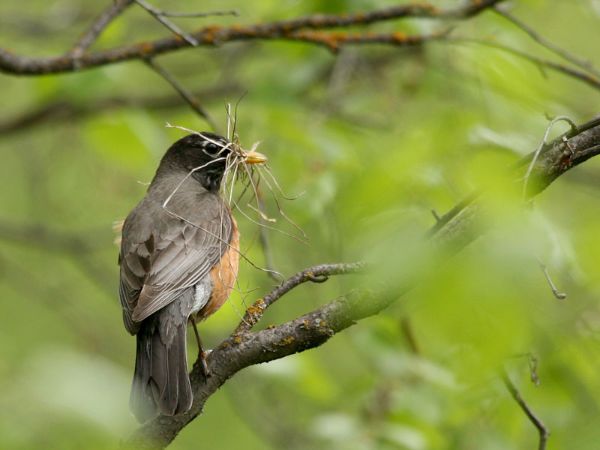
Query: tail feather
point(161, 384)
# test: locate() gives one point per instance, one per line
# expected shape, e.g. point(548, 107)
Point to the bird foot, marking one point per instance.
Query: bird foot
point(202, 355)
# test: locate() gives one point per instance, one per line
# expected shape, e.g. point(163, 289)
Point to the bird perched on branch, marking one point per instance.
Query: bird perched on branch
point(179, 260)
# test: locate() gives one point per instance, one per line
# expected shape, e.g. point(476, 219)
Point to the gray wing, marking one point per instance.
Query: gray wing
point(162, 255)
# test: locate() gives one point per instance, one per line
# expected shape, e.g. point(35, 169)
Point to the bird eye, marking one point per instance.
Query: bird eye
point(210, 148)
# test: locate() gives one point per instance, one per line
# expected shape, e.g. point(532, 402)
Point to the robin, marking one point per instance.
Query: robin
point(179, 260)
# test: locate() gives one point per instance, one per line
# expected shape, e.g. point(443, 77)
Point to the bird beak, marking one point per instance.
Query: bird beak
point(253, 157)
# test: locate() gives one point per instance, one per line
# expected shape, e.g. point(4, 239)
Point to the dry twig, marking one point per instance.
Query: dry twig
point(564, 54)
point(161, 16)
point(533, 418)
point(92, 34)
point(186, 95)
point(255, 312)
point(557, 294)
point(586, 78)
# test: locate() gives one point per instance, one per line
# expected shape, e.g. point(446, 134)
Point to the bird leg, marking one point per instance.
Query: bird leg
point(201, 353)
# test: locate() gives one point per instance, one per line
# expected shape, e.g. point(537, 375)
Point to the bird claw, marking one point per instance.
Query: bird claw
point(202, 355)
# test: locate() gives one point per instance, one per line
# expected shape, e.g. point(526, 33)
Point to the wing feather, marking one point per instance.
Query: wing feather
point(162, 255)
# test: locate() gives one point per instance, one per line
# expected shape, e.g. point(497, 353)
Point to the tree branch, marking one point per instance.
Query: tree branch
point(161, 17)
point(186, 95)
point(88, 38)
point(586, 77)
point(315, 274)
point(567, 56)
point(453, 231)
point(535, 420)
point(291, 30)
point(69, 111)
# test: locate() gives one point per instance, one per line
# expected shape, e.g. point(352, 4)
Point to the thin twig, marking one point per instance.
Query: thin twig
point(564, 54)
point(161, 17)
point(255, 312)
point(535, 420)
point(587, 78)
point(88, 38)
point(532, 365)
point(558, 294)
point(183, 92)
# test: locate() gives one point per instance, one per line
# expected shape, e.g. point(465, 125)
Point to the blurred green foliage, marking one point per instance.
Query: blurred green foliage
point(374, 139)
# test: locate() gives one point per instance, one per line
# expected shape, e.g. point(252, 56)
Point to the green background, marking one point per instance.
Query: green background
point(370, 141)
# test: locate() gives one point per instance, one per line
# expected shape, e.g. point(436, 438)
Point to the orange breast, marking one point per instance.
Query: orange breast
point(223, 276)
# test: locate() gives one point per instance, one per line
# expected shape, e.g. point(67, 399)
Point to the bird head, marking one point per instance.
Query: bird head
point(207, 156)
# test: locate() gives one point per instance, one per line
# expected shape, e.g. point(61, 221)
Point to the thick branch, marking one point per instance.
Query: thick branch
point(453, 231)
point(240, 351)
point(294, 30)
